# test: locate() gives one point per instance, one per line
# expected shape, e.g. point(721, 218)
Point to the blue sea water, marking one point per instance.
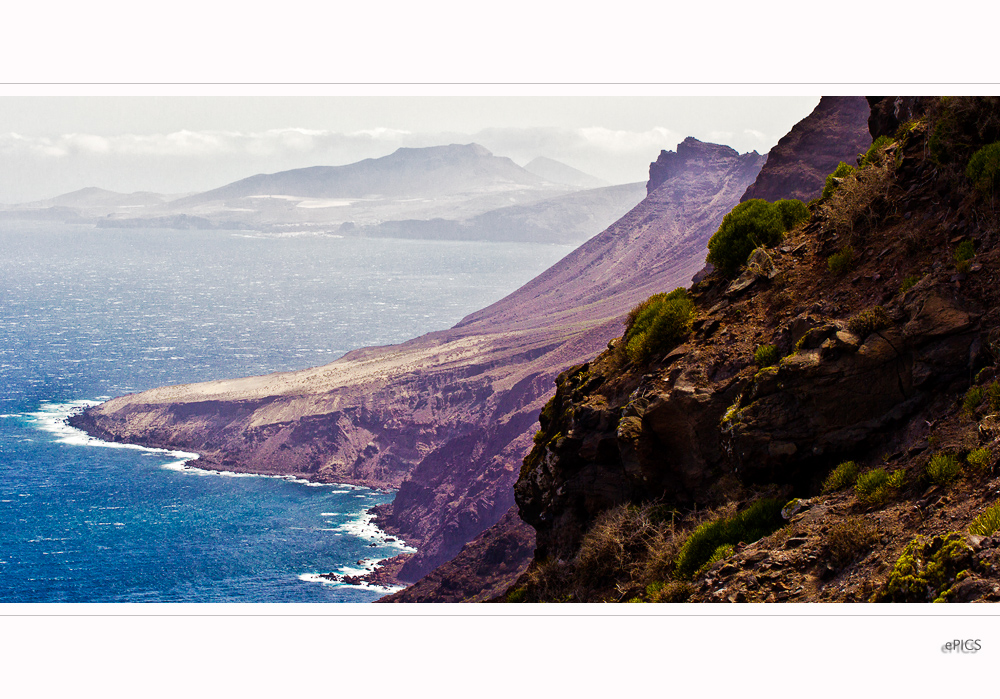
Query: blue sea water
point(89, 313)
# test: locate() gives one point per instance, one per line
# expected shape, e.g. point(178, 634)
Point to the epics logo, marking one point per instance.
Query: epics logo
point(966, 646)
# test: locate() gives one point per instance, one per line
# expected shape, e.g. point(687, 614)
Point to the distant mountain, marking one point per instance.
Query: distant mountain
point(95, 198)
point(554, 171)
point(408, 172)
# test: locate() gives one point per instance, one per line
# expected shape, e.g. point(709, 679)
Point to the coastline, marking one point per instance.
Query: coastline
point(65, 420)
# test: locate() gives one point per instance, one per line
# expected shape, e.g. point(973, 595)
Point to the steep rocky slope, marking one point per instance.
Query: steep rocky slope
point(848, 379)
point(448, 417)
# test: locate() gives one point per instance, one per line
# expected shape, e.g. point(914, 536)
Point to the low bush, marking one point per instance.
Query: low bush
point(908, 283)
point(984, 168)
point(841, 477)
point(615, 545)
point(750, 225)
point(841, 262)
point(980, 459)
point(792, 212)
point(675, 592)
point(657, 325)
point(766, 355)
point(971, 401)
point(842, 171)
point(848, 539)
point(928, 569)
point(875, 154)
point(758, 520)
point(986, 523)
point(993, 396)
point(965, 252)
point(876, 486)
point(868, 321)
point(943, 469)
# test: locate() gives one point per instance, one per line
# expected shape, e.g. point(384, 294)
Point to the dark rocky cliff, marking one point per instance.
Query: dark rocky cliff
point(881, 315)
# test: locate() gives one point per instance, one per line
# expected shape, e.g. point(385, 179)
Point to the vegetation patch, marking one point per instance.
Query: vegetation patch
point(984, 168)
point(833, 179)
point(841, 477)
point(973, 398)
point(963, 253)
point(615, 544)
point(980, 459)
point(928, 570)
point(876, 486)
point(766, 355)
point(758, 520)
point(753, 224)
point(987, 523)
point(943, 469)
point(993, 396)
point(868, 321)
point(841, 262)
point(792, 212)
point(657, 325)
point(908, 283)
point(675, 591)
point(876, 153)
point(849, 539)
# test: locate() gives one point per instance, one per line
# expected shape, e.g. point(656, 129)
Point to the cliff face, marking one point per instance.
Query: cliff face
point(797, 166)
point(447, 418)
point(882, 317)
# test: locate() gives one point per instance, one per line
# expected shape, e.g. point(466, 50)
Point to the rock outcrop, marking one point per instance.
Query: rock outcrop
point(447, 418)
point(797, 166)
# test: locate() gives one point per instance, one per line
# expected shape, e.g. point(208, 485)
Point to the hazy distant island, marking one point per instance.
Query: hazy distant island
point(454, 192)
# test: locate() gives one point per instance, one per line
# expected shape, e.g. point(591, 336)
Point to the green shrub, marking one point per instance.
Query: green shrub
point(848, 539)
point(867, 321)
point(841, 477)
point(792, 212)
point(676, 591)
point(720, 554)
point(980, 459)
point(908, 283)
point(841, 262)
point(973, 397)
point(987, 522)
point(966, 250)
point(766, 355)
point(943, 469)
point(984, 168)
point(752, 224)
point(756, 521)
point(842, 171)
point(993, 396)
point(927, 570)
point(874, 154)
point(657, 325)
point(875, 487)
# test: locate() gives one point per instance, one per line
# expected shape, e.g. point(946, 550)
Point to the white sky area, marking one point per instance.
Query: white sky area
point(53, 145)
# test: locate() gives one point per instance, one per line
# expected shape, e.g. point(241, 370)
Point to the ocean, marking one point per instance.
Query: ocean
point(87, 314)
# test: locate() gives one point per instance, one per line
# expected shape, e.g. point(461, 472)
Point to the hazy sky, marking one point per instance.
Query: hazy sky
point(54, 145)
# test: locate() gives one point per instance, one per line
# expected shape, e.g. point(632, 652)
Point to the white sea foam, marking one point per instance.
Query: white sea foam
point(54, 419)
